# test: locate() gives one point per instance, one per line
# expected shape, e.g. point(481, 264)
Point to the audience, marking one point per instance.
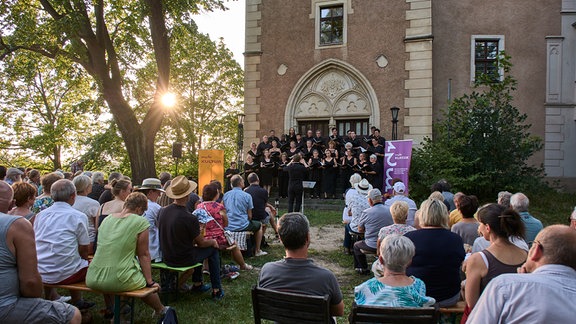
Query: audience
point(439, 254)
point(394, 288)
point(519, 203)
point(86, 205)
point(239, 207)
point(467, 228)
point(122, 261)
point(370, 223)
point(455, 215)
point(545, 294)
point(21, 289)
point(182, 242)
point(152, 189)
point(97, 185)
point(62, 242)
point(347, 212)
point(497, 224)
point(296, 272)
point(45, 199)
point(107, 195)
point(24, 197)
point(13, 175)
point(119, 189)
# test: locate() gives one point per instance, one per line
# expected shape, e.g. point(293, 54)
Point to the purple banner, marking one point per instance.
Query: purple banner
point(397, 162)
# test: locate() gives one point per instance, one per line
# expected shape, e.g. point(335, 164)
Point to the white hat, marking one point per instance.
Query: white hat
point(399, 187)
point(363, 187)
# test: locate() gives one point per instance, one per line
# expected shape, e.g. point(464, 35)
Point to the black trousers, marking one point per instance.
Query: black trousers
point(295, 198)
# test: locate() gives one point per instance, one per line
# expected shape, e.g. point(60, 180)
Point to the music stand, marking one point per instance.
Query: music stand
point(306, 185)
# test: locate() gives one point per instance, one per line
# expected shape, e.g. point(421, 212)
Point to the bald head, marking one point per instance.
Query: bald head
point(6, 197)
point(558, 244)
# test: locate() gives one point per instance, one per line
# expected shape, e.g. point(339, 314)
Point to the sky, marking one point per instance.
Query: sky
point(228, 24)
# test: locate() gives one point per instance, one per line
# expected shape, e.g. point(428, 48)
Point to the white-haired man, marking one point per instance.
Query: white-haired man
point(399, 194)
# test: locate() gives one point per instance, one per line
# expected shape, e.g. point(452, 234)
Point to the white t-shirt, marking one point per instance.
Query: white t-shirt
point(59, 230)
point(89, 207)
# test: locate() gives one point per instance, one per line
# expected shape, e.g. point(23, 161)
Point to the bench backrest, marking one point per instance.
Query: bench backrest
point(286, 307)
point(376, 314)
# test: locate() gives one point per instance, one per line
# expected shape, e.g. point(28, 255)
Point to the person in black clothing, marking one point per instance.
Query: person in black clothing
point(315, 174)
point(265, 144)
point(232, 170)
point(272, 136)
point(283, 176)
point(250, 166)
point(329, 175)
point(297, 172)
point(267, 170)
point(260, 202)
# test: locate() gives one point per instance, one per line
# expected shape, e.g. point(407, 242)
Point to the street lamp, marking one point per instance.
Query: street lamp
point(394, 111)
point(240, 140)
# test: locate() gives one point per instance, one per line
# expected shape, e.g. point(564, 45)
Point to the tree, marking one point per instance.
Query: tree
point(482, 144)
point(108, 40)
point(47, 104)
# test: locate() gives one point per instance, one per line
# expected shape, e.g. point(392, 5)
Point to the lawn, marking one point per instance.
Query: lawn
point(236, 306)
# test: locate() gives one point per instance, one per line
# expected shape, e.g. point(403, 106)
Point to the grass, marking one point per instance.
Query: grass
point(236, 307)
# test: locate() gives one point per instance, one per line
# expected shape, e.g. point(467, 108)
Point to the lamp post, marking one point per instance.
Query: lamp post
point(240, 140)
point(394, 111)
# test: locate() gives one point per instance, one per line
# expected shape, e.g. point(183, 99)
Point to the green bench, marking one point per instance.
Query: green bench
point(170, 277)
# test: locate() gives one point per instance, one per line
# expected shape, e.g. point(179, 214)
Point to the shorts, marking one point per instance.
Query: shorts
point(37, 310)
point(253, 226)
point(77, 277)
point(265, 221)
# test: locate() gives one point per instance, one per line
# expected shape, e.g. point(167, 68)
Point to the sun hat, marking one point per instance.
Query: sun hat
point(355, 178)
point(13, 172)
point(150, 183)
point(399, 187)
point(180, 187)
point(363, 187)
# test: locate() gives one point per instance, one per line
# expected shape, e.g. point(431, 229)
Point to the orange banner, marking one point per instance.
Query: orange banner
point(210, 167)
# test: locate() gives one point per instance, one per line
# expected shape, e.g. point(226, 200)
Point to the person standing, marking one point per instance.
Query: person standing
point(297, 172)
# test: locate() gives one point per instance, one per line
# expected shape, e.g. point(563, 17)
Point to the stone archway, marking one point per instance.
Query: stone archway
point(332, 90)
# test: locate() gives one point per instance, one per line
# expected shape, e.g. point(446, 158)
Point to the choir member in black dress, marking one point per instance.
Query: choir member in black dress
point(300, 142)
point(375, 175)
point(307, 151)
point(291, 135)
point(378, 150)
point(265, 144)
point(292, 151)
point(347, 166)
point(376, 134)
point(339, 143)
point(362, 165)
point(329, 175)
point(250, 166)
point(267, 171)
point(332, 147)
point(315, 173)
point(253, 152)
point(275, 151)
point(283, 176)
point(232, 170)
point(319, 142)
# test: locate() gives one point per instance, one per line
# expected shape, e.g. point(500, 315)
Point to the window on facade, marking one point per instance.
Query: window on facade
point(359, 126)
point(485, 54)
point(332, 25)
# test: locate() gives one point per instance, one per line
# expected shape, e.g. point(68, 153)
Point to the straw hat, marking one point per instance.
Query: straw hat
point(151, 183)
point(180, 187)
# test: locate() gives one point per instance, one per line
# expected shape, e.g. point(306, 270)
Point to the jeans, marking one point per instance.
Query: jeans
point(210, 253)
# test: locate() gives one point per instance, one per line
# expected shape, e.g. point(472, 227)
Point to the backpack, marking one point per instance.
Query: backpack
point(169, 317)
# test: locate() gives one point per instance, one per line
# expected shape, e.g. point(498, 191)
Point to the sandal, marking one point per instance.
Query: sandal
point(247, 267)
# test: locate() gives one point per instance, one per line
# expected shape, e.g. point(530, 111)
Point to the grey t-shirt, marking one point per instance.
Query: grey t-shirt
point(300, 276)
point(467, 231)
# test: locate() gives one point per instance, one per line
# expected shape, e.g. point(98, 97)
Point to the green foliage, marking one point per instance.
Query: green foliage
point(482, 144)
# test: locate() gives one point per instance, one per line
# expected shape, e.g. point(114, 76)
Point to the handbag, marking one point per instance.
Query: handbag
point(227, 234)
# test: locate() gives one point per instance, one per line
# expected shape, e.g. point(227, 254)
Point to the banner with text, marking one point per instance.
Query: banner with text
point(397, 162)
point(210, 167)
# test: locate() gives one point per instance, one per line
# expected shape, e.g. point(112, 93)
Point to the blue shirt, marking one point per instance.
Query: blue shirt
point(533, 226)
point(237, 203)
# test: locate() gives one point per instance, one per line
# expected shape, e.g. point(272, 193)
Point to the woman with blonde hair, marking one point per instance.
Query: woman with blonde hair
point(439, 254)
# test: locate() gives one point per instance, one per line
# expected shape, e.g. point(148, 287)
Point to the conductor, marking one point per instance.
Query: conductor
point(297, 173)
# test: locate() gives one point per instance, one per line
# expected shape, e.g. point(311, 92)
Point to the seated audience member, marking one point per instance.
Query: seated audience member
point(24, 197)
point(519, 203)
point(394, 288)
point(239, 207)
point(45, 199)
point(504, 198)
point(107, 195)
point(296, 273)
point(399, 211)
point(21, 288)
point(13, 175)
point(357, 204)
point(152, 189)
point(218, 212)
point(183, 244)
point(439, 254)
point(347, 212)
point(120, 189)
point(97, 185)
point(467, 228)
point(497, 224)
point(455, 215)
point(123, 237)
point(372, 220)
point(398, 193)
point(543, 293)
point(444, 188)
point(62, 242)
point(86, 205)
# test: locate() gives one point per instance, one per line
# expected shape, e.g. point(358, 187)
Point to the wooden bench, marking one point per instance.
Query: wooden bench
point(453, 311)
point(139, 293)
point(170, 276)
